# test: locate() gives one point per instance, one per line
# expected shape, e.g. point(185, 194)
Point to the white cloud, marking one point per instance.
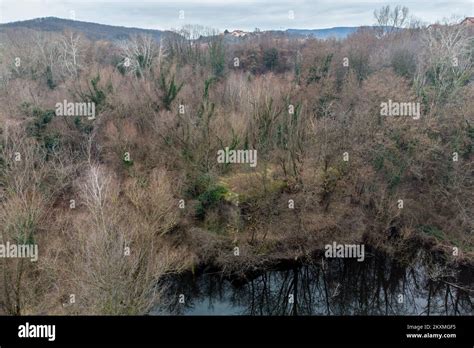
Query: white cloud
point(231, 14)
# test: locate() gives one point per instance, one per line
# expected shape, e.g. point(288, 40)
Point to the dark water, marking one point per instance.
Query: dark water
point(377, 286)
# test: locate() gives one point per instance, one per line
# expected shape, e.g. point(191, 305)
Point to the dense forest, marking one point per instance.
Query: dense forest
point(119, 198)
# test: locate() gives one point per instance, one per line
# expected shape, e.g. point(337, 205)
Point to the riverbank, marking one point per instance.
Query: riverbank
point(286, 242)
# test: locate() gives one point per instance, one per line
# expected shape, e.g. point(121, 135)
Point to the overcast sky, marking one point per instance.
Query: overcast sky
point(228, 14)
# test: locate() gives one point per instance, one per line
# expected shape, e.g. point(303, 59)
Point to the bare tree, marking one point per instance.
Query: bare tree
point(389, 20)
point(70, 52)
point(445, 61)
point(21, 213)
point(49, 58)
point(138, 54)
point(118, 256)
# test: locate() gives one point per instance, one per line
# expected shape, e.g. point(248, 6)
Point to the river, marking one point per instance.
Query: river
point(378, 286)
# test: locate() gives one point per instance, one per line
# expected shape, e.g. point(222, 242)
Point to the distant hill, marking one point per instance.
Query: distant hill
point(93, 31)
point(336, 32)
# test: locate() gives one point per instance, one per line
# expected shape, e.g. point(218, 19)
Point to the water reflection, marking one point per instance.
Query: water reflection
point(377, 286)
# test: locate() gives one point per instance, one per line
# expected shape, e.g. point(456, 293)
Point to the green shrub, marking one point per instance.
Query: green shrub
point(198, 184)
point(209, 199)
point(41, 118)
point(217, 57)
point(432, 231)
point(49, 78)
point(270, 58)
point(169, 90)
point(95, 94)
point(83, 127)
